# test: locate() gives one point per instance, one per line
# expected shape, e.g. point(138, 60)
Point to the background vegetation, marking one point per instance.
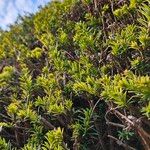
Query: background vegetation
point(76, 75)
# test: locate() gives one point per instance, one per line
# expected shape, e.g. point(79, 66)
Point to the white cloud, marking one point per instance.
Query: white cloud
point(8, 14)
point(11, 14)
point(10, 9)
point(2, 6)
point(42, 2)
point(24, 5)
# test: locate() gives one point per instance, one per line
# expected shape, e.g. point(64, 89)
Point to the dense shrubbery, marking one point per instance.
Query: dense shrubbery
point(76, 76)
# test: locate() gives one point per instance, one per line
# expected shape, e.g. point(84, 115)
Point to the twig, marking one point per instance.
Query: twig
point(23, 128)
point(4, 116)
point(145, 137)
point(121, 143)
point(112, 123)
point(47, 124)
point(17, 137)
point(115, 124)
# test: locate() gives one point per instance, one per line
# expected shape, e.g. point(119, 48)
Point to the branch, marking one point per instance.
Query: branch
point(112, 123)
point(115, 124)
point(47, 124)
point(121, 143)
point(135, 123)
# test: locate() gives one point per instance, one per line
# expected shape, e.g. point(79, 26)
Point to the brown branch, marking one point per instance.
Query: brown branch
point(115, 124)
point(47, 124)
point(4, 116)
point(17, 137)
point(121, 143)
point(134, 123)
point(112, 123)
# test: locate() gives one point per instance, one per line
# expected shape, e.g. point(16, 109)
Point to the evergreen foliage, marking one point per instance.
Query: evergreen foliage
point(76, 76)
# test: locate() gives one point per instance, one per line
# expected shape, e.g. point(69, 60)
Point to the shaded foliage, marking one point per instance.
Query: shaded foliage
point(76, 76)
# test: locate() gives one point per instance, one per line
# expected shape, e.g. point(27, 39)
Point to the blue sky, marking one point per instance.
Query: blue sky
point(9, 9)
